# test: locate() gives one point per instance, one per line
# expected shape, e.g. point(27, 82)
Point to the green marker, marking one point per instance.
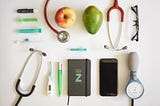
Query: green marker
point(59, 79)
point(27, 20)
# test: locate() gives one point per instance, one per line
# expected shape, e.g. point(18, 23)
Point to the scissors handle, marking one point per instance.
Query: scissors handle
point(115, 6)
point(18, 101)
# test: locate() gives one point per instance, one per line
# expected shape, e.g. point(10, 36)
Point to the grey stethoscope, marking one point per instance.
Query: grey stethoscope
point(18, 89)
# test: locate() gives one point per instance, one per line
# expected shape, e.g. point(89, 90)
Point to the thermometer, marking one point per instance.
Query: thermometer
point(50, 81)
point(134, 88)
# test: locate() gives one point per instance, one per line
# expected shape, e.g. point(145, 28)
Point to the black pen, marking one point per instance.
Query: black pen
point(26, 10)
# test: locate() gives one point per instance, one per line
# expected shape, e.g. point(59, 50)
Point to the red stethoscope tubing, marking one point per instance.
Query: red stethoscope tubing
point(116, 43)
point(115, 6)
point(46, 19)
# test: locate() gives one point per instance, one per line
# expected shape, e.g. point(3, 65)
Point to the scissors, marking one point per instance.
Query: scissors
point(115, 45)
point(18, 89)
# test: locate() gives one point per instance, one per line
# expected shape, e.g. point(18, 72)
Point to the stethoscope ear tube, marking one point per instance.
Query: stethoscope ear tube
point(22, 94)
point(114, 45)
point(115, 6)
point(46, 19)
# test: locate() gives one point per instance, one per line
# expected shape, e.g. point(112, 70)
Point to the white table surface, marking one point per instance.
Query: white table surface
point(13, 56)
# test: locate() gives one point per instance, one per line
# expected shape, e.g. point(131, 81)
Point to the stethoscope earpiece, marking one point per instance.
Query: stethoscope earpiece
point(31, 49)
point(43, 53)
point(106, 47)
point(117, 49)
point(124, 48)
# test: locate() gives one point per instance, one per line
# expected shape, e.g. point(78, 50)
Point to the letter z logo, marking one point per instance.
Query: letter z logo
point(78, 78)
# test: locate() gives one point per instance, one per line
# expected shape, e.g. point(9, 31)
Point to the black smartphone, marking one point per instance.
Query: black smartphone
point(108, 77)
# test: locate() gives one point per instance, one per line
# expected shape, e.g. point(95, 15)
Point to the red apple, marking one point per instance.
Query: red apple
point(65, 17)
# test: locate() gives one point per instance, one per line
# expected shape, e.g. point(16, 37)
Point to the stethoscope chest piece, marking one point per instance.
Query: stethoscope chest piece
point(63, 36)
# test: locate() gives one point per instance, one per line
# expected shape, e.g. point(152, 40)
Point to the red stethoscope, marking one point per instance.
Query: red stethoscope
point(114, 46)
point(62, 36)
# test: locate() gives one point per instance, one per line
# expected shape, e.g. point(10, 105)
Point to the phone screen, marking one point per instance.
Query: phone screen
point(108, 77)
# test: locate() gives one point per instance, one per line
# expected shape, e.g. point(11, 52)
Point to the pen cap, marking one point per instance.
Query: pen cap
point(133, 61)
point(59, 66)
point(35, 10)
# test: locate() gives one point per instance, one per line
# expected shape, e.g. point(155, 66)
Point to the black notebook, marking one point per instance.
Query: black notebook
point(79, 77)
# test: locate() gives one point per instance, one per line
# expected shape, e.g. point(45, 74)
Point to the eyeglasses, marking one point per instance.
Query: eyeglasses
point(136, 21)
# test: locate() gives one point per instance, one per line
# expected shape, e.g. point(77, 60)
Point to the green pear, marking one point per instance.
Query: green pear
point(92, 19)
